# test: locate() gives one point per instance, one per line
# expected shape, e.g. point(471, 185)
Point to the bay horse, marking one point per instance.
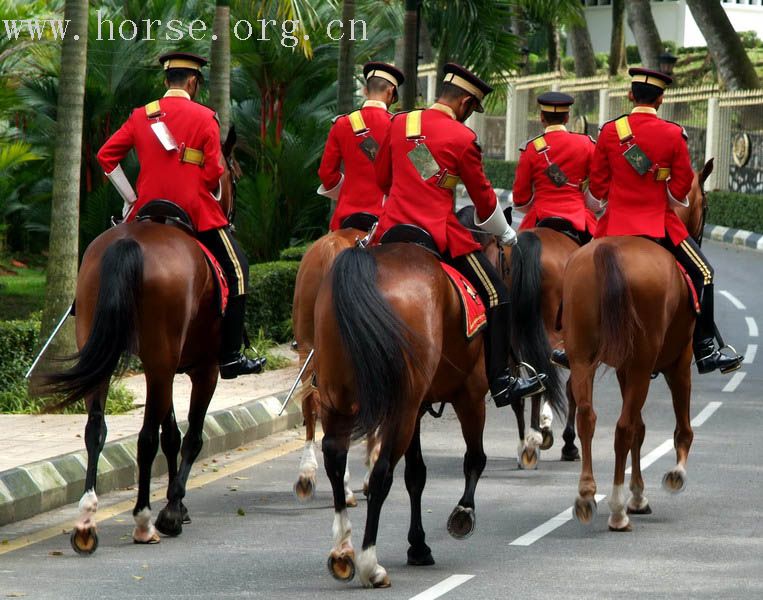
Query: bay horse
point(534, 275)
point(146, 288)
point(627, 305)
point(313, 268)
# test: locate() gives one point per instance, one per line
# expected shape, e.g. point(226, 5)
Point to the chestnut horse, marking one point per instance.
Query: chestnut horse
point(534, 276)
point(626, 305)
point(145, 288)
point(313, 268)
point(389, 340)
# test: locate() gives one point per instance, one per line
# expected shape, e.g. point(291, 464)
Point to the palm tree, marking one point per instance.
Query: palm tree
point(582, 48)
point(346, 79)
point(734, 66)
point(617, 60)
point(220, 65)
point(550, 15)
point(410, 53)
point(64, 249)
point(641, 22)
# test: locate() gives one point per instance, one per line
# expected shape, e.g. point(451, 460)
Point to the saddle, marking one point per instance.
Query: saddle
point(475, 317)
point(562, 225)
point(359, 220)
point(169, 213)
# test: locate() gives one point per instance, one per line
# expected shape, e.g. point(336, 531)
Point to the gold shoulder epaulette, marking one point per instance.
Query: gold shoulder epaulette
point(153, 109)
point(357, 123)
point(413, 125)
point(623, 127)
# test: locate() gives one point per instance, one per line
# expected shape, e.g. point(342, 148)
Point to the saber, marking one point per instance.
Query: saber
point(69, 311)
point(296, 382)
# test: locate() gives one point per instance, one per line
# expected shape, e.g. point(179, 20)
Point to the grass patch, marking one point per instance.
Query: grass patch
point(266, 346)
point(16, 400)
point(22, 291)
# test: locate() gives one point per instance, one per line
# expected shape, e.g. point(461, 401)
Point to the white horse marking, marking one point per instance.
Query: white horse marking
point(618, 519)
point(88, 505)
point(341, 529)
point(370, 572)
point(309, 462)
point(546, 415)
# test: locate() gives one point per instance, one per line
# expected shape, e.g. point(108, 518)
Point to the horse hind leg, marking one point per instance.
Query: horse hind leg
point(637, 503)
point(582, 388)
point(84, 536)
point(679, 381)
point(419, 554)
point(570, 452)
point(304, 488)
point(531, 445)
point(373, 447)
point(546, 418)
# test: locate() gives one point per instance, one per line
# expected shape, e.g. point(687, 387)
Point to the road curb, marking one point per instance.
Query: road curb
point(38, 487)
point(718, 233)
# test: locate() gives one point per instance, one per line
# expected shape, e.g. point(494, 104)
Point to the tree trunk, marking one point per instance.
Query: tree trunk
point(641, 22)
point(617, 61)
point(219, 67)
point(346, 87)
point(582, 48)
point(63, 250)
point(734, 66)
point(554, 47)
point(410, 55)
point(519, 28)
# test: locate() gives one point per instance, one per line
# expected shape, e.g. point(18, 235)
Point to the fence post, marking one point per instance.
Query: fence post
point(603, 106)
point(516, 121)
point(712, 140)
point(431, 87)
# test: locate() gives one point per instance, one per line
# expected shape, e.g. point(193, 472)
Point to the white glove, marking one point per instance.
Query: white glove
point(498, 226)
point(120, 181)
point(675, 202)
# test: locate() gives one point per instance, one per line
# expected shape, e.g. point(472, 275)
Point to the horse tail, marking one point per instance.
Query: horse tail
point(528, 334)
point(619, 321)
point(113, 336)
point(374, 339)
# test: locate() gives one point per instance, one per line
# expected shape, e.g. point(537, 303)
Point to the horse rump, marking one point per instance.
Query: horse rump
point(113, 336)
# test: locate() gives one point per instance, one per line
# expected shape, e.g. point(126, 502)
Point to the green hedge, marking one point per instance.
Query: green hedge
point(500, 173)
point(294, 253)
point(732, 209)
point(271, 291)
point(18, 340)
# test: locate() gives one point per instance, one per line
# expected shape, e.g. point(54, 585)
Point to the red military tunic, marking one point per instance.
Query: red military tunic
point(535, 192)
point(359, 192)
point(162, 174)
point(639, 204)
point(416, 201)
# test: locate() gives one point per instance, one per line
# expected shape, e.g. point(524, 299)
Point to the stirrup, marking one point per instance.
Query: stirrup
point(532, 375)
point(736, 356)
point(364, 242)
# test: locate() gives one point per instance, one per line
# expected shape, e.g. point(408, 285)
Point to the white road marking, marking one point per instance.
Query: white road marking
point(653, 456)
point(734, 382)
point(733, 299)
point(548, 526)
point(442, 588)
point(749, 356)
point(752, 326)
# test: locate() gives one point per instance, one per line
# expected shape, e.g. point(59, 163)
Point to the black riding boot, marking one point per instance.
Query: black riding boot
point(504, 387)
point(232, 362)
point(708, 357)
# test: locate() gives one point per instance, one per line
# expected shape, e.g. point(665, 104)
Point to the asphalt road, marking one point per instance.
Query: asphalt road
point(704, 543)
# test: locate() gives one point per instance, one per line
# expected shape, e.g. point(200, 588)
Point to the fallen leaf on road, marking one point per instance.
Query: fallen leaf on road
point(4, 543)
point(55, 553)
point(15, 595)
point(240, 512)
point(137, 577)
point(240, 478)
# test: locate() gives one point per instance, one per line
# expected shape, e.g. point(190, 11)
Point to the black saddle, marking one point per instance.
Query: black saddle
point(359, 220)
point(562, 225)
point(410, 234)
point(169, 213)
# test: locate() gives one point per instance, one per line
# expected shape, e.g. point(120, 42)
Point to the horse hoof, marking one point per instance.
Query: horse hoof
point(674, 481)
point(570, 454)
point(528, 460)
point(350, 501)
point(626, 528)
point(169, 522)
point(421, 558)
point(84, 541)
point(342, 567)
point(304, 489)
point(461, 522)
point(646, 510)
point(584, 510)
point(548, 438)
point(365, 489)
point(184, 513)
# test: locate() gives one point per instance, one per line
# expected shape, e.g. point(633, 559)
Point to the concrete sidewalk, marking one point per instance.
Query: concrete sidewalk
point(43, 457)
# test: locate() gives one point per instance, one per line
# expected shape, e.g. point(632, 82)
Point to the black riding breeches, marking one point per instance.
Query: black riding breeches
point(231, 257)
point(689, 254)
point(483, 276)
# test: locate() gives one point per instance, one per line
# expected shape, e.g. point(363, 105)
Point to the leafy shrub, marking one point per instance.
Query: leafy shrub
point(733, 209)
point(568, 64)
point(294, 253)
point(602, 60)
point(632, 56)
point(271, 291)
point(500, 173)
point(749, 39)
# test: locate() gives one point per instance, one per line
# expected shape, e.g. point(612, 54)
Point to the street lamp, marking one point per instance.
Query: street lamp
point(524, 58)
point(667, 62)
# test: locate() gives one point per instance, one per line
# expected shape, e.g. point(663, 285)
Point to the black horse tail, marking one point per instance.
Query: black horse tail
point(619, 321)
point(374, 339)
point(113, 337)
point(528, 333)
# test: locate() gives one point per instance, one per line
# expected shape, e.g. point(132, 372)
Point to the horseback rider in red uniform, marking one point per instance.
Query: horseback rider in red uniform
point(640, 168)
point(178, 146)
point(354, 140)
point(422, 159)
point(553, 172)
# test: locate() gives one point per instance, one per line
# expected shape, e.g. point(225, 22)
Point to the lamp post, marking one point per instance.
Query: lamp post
point(667, 62)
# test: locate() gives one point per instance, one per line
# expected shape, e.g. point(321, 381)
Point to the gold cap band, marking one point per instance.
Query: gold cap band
point(554, 109)
point(384, 75)
point(464, 85)
point(650, 80)
point(181, 63)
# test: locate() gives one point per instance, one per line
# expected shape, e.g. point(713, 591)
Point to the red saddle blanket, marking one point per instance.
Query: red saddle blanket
point(222, 282)
point(693, 296)
point(473, 309)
